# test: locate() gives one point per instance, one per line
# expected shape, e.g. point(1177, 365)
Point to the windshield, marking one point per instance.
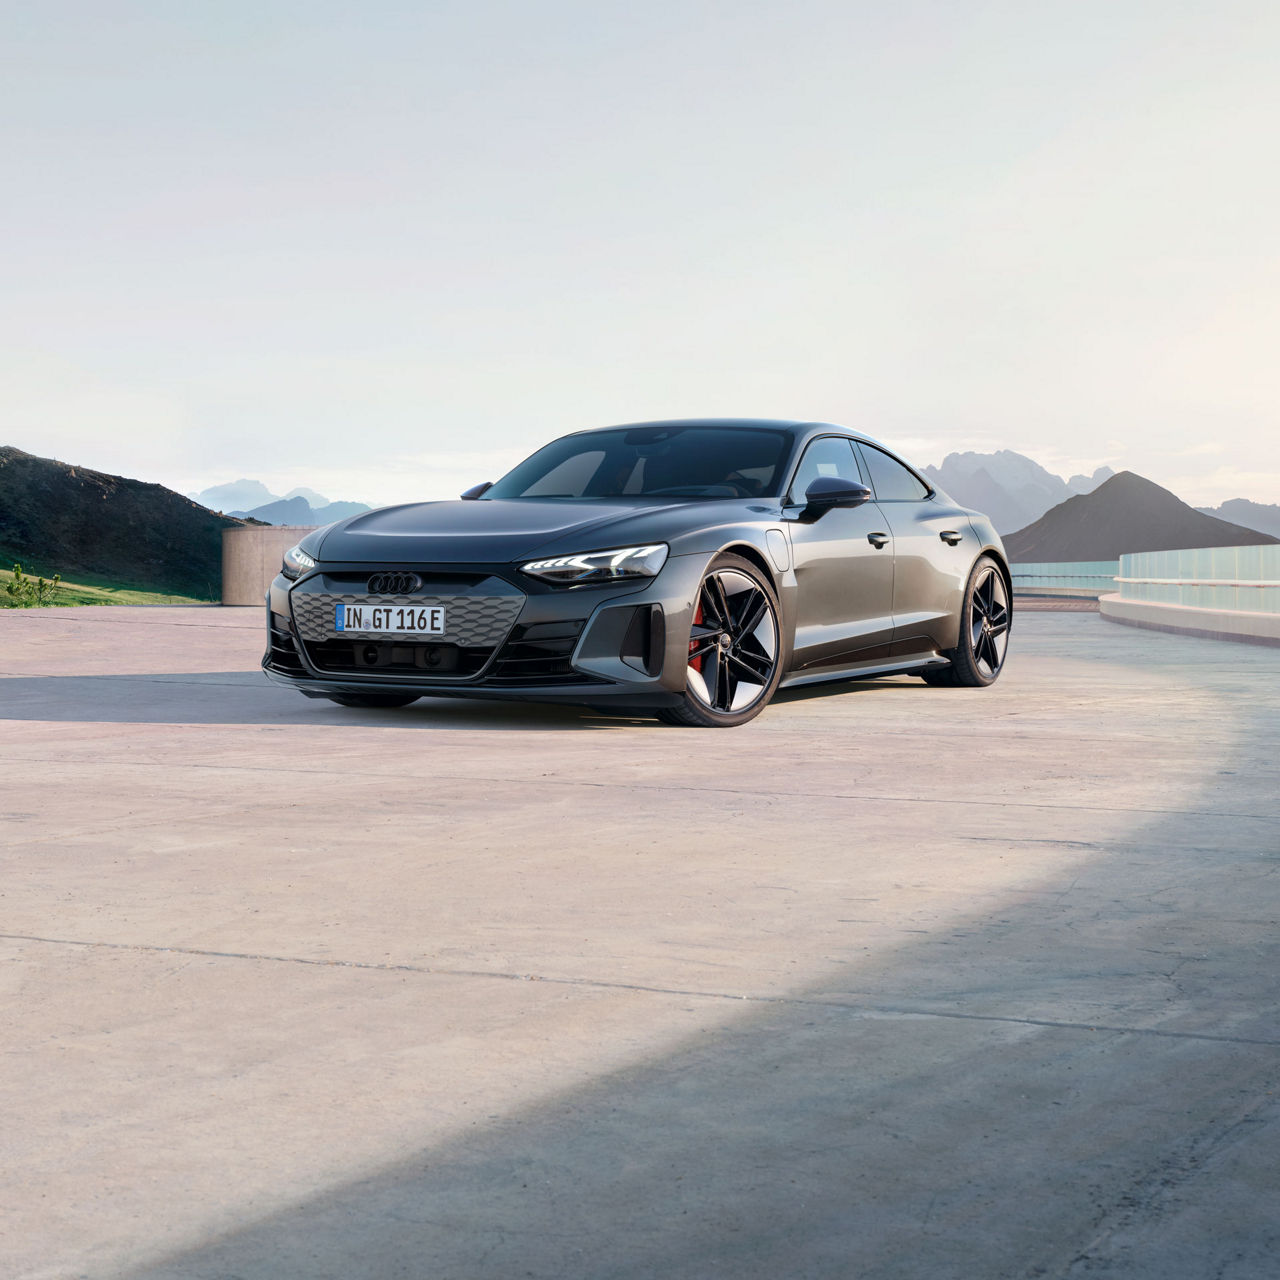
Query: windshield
point(653, 462)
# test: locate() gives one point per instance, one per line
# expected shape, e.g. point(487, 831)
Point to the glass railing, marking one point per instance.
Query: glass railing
point(1238, 578)
point(1077, 576)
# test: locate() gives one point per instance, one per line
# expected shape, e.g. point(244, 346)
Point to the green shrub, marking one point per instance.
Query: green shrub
point(22, 592)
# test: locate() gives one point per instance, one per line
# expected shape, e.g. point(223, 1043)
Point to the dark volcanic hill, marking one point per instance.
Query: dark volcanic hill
point(1126, 513)
point(56, 518)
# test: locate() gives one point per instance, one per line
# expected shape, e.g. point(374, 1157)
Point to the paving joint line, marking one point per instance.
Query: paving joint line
point(657, 786)
point(860, 1007)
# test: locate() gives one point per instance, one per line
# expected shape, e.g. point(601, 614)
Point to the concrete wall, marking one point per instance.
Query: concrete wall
point(1212, 624)
point(251, 558)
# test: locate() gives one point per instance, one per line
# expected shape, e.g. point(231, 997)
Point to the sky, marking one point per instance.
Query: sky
point(385, 250)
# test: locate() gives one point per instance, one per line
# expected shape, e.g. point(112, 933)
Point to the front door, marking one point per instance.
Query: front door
point(843, 567)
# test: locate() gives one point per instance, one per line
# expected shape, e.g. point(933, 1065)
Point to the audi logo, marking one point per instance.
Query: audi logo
point(394, 584)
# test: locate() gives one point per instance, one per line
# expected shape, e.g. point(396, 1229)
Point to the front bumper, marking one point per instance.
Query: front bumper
point(622, 645)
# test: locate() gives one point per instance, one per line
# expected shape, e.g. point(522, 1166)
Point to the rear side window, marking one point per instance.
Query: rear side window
point(826, 456)
point(890, 479)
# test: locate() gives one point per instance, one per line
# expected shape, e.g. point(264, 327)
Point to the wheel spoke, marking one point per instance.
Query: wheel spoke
point(706, 613)
point(719, 602)
point(758, 668)
point(751, 614)
point(986, 654)
point(711, 675)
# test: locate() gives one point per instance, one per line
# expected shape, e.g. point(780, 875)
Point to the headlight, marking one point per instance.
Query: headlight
point(296, 562)
point(600, 566)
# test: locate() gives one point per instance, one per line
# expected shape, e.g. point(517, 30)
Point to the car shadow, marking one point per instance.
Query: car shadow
point(246, 697)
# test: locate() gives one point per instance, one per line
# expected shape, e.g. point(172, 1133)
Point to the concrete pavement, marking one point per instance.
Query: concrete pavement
point(893, 982)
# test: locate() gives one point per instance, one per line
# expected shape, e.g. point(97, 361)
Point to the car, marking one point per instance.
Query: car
point(685, 570)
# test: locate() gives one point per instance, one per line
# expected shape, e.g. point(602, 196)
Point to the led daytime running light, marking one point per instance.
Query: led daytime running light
point(296, 562)
point(600, 566)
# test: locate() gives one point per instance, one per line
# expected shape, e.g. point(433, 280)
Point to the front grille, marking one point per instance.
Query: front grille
point(540, 653)
point(471, 621)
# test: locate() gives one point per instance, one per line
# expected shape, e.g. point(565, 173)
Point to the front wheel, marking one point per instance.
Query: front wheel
point(985, 618)
point(735, 648)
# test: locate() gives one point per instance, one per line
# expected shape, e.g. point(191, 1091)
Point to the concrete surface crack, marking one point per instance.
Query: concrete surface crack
point(755, 793)
point(685, 993)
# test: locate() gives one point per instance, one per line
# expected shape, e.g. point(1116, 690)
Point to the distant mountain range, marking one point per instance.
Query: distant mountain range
point(1126, 513)
point(56, 518)
point(1253, 515)
point(1015, 491)
point(1009, 487)
point(252, 500)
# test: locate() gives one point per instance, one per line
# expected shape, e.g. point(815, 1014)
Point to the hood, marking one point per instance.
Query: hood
point(498, 531)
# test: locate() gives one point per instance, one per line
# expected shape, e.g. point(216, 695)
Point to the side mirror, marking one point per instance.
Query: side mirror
point(477, 491)
point(831, 491)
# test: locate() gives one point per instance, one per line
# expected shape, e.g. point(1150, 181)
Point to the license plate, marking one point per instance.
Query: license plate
point(393, 619)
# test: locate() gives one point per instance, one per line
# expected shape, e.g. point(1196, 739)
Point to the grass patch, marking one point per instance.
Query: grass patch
point(99, 591)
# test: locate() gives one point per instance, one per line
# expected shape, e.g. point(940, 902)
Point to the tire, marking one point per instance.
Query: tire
point(985, 620)
point(735, 648)
point(372, 699)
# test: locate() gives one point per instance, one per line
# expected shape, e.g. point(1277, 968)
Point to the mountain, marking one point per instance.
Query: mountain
point(338, 511)
point(252, 500)
point(299, 511)
point(282, 511)
point(314, 499)
point(1009, 487)
point(1265, 517)
point(239, 495)
point(56, 518)
point(1087, 484)
point(1125, 513)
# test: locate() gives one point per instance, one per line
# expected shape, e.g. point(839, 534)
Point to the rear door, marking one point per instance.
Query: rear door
point(934, 549)
point(843, 567)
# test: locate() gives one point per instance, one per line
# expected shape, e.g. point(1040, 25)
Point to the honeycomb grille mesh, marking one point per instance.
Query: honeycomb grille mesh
point(469, 620)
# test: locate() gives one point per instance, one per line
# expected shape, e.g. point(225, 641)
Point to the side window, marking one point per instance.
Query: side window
point(890, 479)
point(826, 456)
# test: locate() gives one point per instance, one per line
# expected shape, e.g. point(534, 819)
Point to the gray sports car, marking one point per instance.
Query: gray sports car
point(683, 569)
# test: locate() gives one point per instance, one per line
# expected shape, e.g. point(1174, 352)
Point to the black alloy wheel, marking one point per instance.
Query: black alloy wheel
point(984, 631)
point(735, 648)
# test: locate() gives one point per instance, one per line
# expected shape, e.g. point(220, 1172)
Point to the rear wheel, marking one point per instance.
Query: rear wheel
point(984, 632)
point(372, 699)
point(735, 648)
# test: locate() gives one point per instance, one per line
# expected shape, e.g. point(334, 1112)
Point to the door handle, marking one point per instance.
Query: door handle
point(878, 540)
point(950, 537)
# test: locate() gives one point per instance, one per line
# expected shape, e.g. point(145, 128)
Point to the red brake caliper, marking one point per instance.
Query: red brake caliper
point(696, 663)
